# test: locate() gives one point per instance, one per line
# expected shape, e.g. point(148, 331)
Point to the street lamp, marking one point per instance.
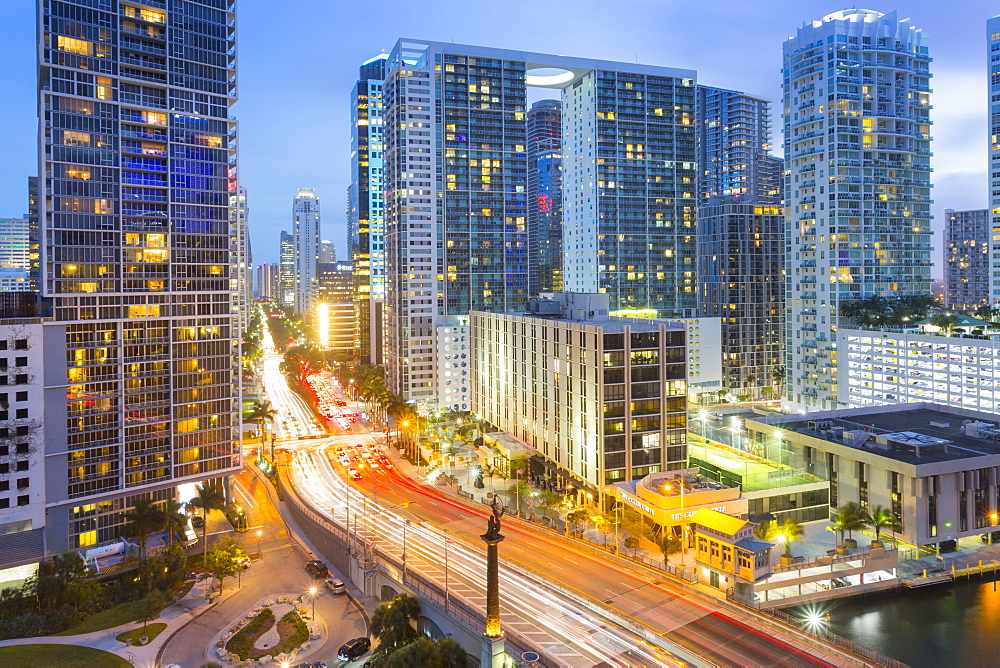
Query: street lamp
point(683, 518)
point(406, 523)
point(313, 591)
point(994, 517)
point(259, 534)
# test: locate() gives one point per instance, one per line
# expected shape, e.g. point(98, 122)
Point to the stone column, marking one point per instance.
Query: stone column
point(493, 642)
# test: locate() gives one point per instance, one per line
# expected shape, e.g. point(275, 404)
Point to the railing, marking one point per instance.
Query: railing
point(817, 631)
point(456, 608)
point(830, 559)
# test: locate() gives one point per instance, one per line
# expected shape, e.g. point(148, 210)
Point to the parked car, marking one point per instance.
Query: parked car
point(336, 585)
point(197, 521)
point(986, 537)
point(317, 569)
point(354, 649)
point(948, 545)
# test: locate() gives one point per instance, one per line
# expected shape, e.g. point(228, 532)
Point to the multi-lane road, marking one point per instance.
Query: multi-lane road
point(576, 605)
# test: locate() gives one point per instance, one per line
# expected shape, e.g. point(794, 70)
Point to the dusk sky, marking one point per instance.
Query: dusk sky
point(299, 58)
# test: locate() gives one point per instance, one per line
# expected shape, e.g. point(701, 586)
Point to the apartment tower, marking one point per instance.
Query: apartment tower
point(306, 237)
point(456, 190)
point(857, 159)
point(993, 65)
point(741, 237)
point(967, 259)
point(137, 158)
point(365, 210)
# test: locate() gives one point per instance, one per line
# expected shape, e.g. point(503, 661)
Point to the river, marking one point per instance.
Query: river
point(941, 625)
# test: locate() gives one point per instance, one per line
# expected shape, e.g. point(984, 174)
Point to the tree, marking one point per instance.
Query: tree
point(392, 622)
point(262, 412)
point(174, 519)
point(847, 519)
point(789, 532)
point(144, 518)
point(521, 492)
point(635, 529)
point(669, 545)
point(878, 518)
point(427, 653)
point(225, 559)
point(547, 500)
point(208, 497)
point(151, 606)
point(577, 517)
point(946, 321)
point(605, 523)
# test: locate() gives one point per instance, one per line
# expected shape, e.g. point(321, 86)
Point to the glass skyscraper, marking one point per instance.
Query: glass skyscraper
point(857, 158)
point(545, 197)
point(993, 86)
point(967, 259)
point(306, 233)
point(138, 169)
point(365, 210)
point(456, 189)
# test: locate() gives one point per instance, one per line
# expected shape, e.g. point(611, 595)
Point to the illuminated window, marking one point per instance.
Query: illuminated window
point(71, 45)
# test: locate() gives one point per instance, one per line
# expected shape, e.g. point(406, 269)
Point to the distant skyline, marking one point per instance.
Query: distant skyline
point(296, 70)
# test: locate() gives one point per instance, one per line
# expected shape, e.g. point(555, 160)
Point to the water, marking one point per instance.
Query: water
point(941, 625)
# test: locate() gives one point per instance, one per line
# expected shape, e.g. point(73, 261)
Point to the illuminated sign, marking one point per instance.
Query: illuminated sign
point(637, 504)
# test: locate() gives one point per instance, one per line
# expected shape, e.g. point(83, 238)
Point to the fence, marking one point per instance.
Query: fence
point(656, 564)
point(816, 630)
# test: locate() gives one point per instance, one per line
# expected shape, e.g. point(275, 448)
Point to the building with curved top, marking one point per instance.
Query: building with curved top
point(857, 182)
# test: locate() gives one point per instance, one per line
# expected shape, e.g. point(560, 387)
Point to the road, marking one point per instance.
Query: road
point(544, 578)
point(689, 628)
point(294, 418)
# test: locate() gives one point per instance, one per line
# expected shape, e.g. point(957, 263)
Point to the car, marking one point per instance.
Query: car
point(353, 472)
point(336, 585)
point(317, 569)
point(354, 649)
point(197, 521)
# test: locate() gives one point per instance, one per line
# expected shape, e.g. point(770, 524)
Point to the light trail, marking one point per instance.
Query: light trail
point(563, 630)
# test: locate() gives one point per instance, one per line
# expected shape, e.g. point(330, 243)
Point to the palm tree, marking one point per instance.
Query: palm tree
point(878, 518)
point(144, 518)
point(208, 497)
point(790, 531)
point(946, 321)
point(848, 518)
point(262, 412)
point(174, 519)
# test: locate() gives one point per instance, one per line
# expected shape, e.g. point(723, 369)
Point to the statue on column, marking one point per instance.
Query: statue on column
point(493, 522)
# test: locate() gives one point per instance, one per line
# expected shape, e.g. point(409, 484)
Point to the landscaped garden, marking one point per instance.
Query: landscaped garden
point(265, 634)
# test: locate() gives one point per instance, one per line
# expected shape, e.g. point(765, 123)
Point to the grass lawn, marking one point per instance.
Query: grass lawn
point(106, 619)
point(62, 656)
point(136, 634)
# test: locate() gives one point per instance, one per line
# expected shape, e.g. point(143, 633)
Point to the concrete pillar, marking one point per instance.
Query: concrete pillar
point(494, 652)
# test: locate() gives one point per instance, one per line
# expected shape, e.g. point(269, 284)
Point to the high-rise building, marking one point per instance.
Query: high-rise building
point(335, 282)
point(306, 222)
point(137, 169)
point(14, 244)
point(286, 269)
point(545, 197)
point(242, 261)
point(365, 211)
point(327, 252)
point(741, 236)
point(266, 285)
point(734, 138)
point(857, 159)
point(34, 236)
point(740, 267)
point(967, 259)
point(628, 197)
point(993, 84)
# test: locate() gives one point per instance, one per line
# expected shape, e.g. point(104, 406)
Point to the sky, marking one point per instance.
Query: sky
point(298, 60)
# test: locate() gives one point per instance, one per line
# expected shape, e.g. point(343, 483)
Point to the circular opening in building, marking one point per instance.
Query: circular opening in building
point(548, 76)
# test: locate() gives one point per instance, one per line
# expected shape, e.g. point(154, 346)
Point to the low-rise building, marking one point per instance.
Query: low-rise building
point(728, 552)
point(936, 467)
point(671, 498)
point(453, 363)
point(878, 367)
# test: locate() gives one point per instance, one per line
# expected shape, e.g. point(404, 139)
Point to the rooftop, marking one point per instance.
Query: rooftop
point(915, 433)
point(720, 522)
